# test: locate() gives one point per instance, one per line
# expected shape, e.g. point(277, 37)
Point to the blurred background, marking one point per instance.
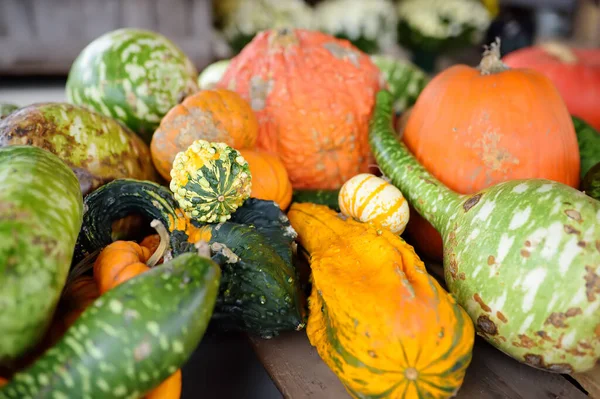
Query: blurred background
point(39, 39)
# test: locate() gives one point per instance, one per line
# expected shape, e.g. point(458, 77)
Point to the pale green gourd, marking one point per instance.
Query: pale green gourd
point(522, 257)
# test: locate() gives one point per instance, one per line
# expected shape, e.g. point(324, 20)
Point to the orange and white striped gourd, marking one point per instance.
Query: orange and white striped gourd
point(370, 199)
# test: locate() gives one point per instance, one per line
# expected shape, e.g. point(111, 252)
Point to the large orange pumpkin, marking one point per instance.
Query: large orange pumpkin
point(212, 115)
point(574, 72)
point(270, 179)
point(474, 127)
point(313, 95)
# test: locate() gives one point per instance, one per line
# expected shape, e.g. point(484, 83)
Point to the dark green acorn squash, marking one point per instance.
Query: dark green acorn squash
point(259, 293)
point(591, 182)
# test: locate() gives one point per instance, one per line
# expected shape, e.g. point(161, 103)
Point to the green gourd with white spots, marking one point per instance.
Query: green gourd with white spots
point(405, 80)
point(522, 257)
point(41, 210)
point(130, 339)
point(133, 75)
point(96, 147)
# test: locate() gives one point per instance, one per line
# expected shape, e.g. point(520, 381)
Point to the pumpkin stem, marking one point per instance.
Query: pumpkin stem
point(162, 246)
point(491, 61)
point(560, 51)
point(203, 248)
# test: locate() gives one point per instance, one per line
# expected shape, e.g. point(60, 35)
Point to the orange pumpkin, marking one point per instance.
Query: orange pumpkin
point(313, 95)
point(3, 381)
point(212, 115)
point(119, 262)
point(168, 389)
point(270, 179)
point(474, 127)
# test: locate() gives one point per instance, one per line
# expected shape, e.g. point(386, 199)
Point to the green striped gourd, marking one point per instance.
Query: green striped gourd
point(96, 147)
point(133, 75)
point(588, 140)
point(210, 181)
point(405, 80)
point(522, 257)
point(130, 339)
point(41, 210)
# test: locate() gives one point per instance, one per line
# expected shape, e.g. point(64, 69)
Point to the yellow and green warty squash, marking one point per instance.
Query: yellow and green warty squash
point(210, 181)
point(382, 324)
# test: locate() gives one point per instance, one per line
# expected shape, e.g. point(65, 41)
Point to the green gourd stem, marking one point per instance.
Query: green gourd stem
point(431, 198)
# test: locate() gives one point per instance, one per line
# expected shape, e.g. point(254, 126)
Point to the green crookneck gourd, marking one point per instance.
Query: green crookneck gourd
point(522, 257)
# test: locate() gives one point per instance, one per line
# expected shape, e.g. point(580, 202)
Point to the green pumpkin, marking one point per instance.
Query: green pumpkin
point(210, 181)
point(132, 75)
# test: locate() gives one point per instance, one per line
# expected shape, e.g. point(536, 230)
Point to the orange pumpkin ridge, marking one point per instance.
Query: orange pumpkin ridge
point(490, 124)
point(217, 115)
point(313, 96)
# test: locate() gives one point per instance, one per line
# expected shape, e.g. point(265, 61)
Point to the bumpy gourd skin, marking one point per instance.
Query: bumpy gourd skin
point(313, 96)
point(378, 320)
point(210, 181)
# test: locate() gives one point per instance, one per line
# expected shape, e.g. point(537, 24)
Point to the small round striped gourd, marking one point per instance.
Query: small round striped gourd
point(370, 199)
point(210, 181)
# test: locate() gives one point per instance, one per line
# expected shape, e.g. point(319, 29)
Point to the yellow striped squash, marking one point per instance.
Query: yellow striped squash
point(370, 199)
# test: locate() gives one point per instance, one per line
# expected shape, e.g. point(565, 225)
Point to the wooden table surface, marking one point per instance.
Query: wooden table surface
point(299, 373)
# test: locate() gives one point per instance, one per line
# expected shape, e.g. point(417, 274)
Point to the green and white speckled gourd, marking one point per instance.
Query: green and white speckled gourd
point(522, 257)
point(132, 75)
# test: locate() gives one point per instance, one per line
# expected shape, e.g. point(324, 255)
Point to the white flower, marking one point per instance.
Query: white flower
point(444, 18)
point(372, 19)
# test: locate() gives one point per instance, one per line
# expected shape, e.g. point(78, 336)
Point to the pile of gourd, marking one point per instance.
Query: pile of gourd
point(146, 207)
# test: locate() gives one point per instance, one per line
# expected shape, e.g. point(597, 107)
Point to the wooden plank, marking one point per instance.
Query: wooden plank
point(296, 368)
point(299, 373)
point(590, 381)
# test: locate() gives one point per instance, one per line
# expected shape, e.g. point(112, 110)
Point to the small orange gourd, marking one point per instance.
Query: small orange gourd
point(217, 115)
point(119, 262)
point(270, 179)
point(168, 389)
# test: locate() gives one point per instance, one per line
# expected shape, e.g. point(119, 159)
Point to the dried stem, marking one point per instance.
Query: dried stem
point(491, 61)
point(162, 246)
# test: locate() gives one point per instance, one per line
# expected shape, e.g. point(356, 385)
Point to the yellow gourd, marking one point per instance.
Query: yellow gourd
point(382, 324)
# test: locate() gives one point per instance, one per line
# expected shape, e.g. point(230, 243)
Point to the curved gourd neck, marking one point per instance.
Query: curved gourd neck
point(430, 197)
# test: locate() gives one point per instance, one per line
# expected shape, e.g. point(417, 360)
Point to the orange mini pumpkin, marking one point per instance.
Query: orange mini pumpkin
point(270, 179)
point(313, 95)
point(119, 262)
point(212, 115)
point(474, 127)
